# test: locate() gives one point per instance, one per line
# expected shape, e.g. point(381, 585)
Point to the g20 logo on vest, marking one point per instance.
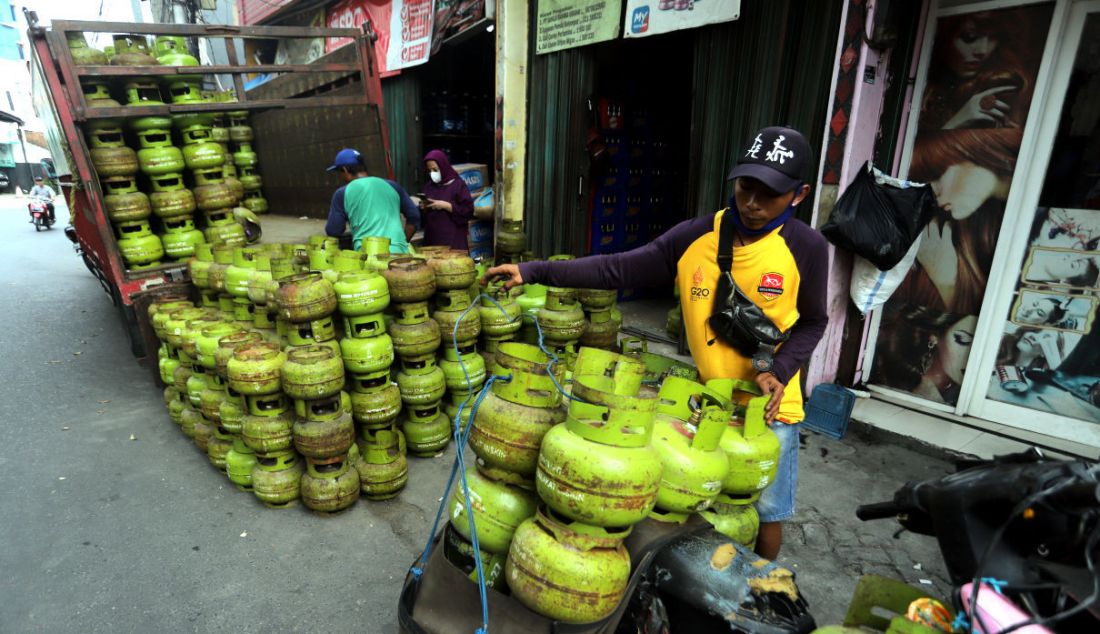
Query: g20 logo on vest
point(771, 285)
point(698, 291)
point(639, 22)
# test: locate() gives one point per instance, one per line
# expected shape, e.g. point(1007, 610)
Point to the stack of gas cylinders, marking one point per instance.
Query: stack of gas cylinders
point(182, 175)
point(301, 370)
point(565, 470)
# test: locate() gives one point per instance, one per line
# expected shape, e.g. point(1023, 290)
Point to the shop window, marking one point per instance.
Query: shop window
point(981, 81)
point(1049, 356)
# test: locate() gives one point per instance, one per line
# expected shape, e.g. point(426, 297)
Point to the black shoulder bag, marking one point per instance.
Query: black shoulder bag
point(735, 319)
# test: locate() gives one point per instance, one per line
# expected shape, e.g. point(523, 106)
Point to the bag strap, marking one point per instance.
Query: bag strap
point(726, 232)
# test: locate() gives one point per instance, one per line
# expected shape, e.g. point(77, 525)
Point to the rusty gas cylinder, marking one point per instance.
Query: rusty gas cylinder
point(276, 479)
point(375, 400)
point(324, 438)
point(218, 447)
point(313, 372)
point(383, 468)
point(254, 369)
point(414, 332)
point(454, 270)
point(330, 485)
point(231, 412)
point(228, 344)
point(267, 435)
point(305, 297)
point(409, 280)
point(457, 323)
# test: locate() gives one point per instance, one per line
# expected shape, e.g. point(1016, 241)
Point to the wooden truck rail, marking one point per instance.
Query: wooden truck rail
point(341, 91)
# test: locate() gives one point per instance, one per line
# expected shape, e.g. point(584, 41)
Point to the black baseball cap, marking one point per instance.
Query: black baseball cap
point(776, 156)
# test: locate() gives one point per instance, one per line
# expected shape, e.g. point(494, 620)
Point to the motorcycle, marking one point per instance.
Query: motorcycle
point(40, 214)
point(1019, 534)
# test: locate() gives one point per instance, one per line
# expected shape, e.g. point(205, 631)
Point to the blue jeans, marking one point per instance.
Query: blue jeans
point(776, 503)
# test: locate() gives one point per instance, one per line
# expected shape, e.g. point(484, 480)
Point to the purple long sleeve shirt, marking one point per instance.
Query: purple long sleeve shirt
point(655, 264)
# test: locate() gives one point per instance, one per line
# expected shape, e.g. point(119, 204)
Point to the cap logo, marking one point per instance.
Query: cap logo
point(757, 143)
point(778, 153)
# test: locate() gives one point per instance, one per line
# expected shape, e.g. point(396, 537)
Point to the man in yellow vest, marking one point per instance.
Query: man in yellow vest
point(778, 262)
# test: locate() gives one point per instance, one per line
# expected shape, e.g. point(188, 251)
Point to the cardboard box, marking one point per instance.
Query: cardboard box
point(476, 176)
point(483, 252)
point(481, 231)
point(483, 204)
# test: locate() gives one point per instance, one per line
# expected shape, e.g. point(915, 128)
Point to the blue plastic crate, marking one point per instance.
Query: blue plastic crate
point(829, 410)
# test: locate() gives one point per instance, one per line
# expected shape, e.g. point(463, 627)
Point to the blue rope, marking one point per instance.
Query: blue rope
point(997, 584)
point(961, 623)
point(542, 346)
point(459, 467)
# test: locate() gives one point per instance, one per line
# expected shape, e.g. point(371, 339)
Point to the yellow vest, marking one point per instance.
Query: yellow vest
point(767, 273)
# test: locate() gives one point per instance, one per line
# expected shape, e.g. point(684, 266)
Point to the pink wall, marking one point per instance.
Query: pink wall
point(863, 129)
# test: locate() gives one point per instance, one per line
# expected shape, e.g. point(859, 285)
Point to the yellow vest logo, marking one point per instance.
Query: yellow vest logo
point(698, 291)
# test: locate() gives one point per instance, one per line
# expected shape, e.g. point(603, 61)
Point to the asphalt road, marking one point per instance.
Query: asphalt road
point(113, 521)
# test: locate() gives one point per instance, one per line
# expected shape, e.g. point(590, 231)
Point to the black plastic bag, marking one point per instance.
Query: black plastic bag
point(879, 221)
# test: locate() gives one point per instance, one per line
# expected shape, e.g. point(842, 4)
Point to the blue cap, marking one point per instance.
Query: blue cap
point(346, 157)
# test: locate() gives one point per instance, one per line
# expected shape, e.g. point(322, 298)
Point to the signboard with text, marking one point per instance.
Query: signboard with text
point(404, 29)
point(653, 17)
point(566, 24)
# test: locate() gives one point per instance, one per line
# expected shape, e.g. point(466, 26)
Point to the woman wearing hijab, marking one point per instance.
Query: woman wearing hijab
point(448, 207)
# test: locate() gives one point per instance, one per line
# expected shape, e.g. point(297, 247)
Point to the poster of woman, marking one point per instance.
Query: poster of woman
point(983, 68)
point(974, 107)
point(1062, 268)
point(1055, 310)
point(928, 350)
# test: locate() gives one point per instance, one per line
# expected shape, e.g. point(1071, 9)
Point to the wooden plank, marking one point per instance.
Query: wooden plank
point(162, 71)
point(267, 104)
point(203, 30)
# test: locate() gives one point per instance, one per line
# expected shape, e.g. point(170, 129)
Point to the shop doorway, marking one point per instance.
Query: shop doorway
point(456, 101)
point(642, 107)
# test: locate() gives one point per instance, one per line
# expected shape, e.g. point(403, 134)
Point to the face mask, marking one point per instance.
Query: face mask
point(768, 228)
point(436, 176)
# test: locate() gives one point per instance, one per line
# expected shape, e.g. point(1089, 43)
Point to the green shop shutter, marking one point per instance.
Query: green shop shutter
point(556, 200)
point(773, 66)
point(401, 94)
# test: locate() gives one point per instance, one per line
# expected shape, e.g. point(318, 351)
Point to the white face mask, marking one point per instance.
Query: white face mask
point(436, 176)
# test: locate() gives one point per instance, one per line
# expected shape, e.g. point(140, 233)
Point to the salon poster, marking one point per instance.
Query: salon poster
point(1049, 357)
point(978, 93)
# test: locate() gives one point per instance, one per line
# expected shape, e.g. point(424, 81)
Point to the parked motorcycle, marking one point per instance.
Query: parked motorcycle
point(1019, 534)
point(1021, 527)
point(40, 214)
